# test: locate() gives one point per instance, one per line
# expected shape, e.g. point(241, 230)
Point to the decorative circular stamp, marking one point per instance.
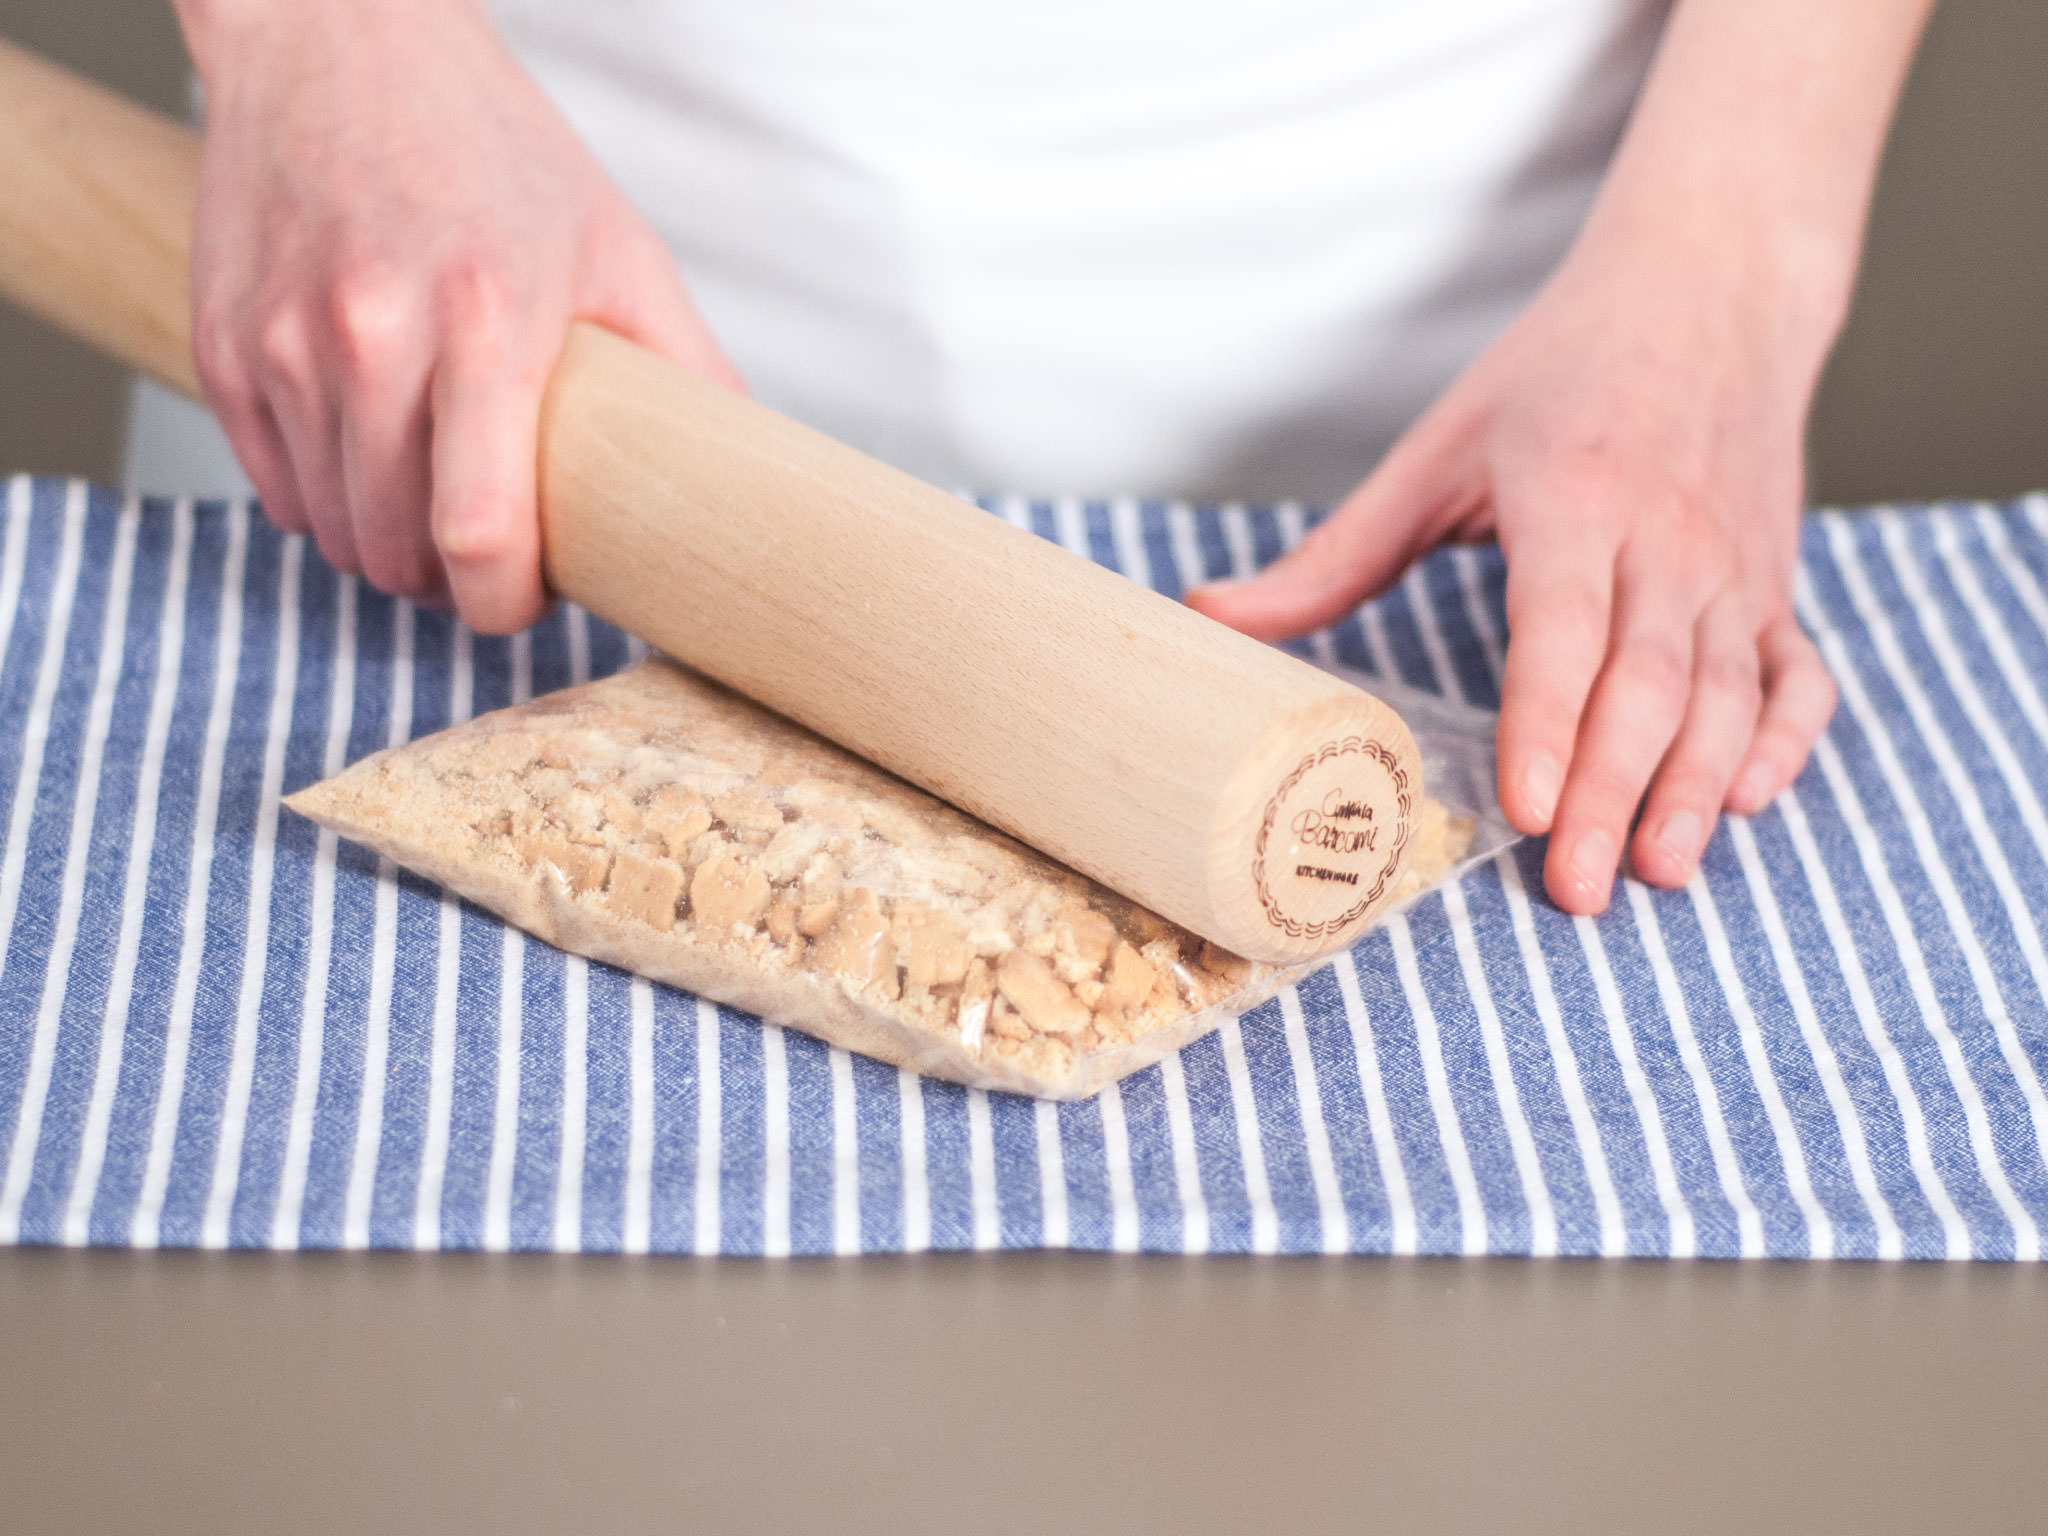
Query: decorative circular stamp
point(1326, 850)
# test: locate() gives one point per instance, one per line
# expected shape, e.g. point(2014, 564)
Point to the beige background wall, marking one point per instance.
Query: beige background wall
point(1940, 386)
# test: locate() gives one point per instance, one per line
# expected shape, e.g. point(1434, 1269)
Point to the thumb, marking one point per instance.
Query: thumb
point(1425, 484)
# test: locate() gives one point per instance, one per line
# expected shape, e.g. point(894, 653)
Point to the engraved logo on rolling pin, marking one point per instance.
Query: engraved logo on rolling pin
point(1332, 837)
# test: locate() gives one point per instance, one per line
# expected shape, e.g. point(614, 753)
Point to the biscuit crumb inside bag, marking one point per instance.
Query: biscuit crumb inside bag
point(658, 822)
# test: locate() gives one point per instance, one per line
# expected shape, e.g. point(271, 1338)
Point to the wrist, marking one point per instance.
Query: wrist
point(1734, 254)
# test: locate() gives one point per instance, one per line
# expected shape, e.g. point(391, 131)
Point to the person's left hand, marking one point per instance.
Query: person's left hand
point(1635, 442)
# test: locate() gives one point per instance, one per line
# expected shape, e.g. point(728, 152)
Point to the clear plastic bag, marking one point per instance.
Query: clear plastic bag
point(663, 824)
point(1459, 766)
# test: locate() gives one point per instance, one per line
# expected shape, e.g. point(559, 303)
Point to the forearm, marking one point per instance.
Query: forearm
point(1749, 162)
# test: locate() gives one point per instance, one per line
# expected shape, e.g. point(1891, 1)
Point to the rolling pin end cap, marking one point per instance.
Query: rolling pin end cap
point(1322, 831)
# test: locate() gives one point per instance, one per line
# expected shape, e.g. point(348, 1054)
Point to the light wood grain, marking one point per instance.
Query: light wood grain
point(1122, 733)
point(1224, 784)
point(96, 199)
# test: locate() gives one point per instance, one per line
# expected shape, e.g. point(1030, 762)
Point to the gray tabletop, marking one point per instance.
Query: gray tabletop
point(177, 1392)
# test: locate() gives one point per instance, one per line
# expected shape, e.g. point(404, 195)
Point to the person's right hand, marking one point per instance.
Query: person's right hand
point(396, 230)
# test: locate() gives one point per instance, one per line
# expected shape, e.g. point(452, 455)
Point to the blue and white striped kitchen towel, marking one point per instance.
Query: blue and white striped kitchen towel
point(218, 1027)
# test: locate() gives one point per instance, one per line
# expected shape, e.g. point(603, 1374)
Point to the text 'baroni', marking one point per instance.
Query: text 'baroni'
point(1323, 826)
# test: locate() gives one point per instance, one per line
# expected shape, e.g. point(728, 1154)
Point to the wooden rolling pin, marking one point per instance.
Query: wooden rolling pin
point(1225, 784)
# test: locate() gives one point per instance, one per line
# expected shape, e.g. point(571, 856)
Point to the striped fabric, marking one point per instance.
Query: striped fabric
point(218, 1027)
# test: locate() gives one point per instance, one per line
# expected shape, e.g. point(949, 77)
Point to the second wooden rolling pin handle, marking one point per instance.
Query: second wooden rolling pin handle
point(1226, 785)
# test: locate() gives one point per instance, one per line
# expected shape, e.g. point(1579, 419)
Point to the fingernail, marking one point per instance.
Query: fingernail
point(1592, 859)
point(1755, 785)
point(1680, 836)
point(1223, 586)
point(1540, 783)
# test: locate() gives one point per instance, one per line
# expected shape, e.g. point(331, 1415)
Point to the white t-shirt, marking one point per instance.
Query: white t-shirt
point(1175, 247)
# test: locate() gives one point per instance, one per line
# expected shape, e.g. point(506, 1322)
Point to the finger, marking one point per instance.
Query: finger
point(248, 425)
point(1425, 484)
point(259, 446)
point(484, 462)
point(1679, 815)
point(1560, 597)
point(296, 397)
point(1631, 718)
point(1799, 700)
point(381, 346)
